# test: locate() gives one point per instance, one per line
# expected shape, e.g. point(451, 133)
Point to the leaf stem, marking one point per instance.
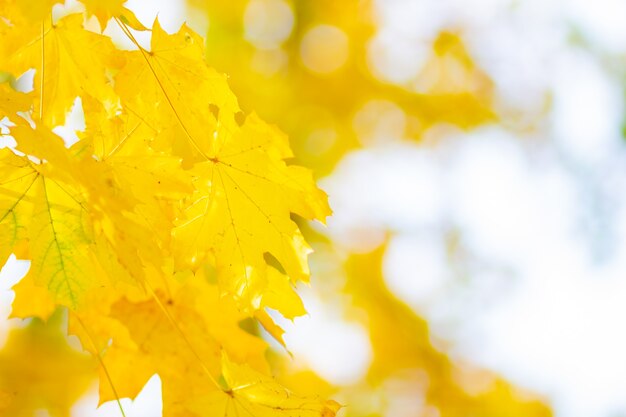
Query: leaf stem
point(43, 69)
point(128, 33)
point(104, 368)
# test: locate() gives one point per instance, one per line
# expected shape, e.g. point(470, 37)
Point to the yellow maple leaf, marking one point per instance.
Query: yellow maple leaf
point(122, 145)
point(185, 329)
point(247, 392)
point(49, 213)
point(172, 88)
point(69, 62)
point(110, 228)
point(163, 334)
point(17, 179)
point(244, 191)
point(56, 207)
point(60, 240)
point(241, 209)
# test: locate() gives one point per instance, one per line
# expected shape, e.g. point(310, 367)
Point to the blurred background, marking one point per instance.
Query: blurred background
point(474, 155)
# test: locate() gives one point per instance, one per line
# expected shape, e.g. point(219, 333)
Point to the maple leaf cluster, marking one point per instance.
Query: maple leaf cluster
point(163, 227)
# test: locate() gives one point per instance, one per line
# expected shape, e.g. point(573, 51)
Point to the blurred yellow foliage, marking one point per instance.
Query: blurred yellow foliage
point(262, 45)
point(39, 370)
point(408, 375)
point(402, 347)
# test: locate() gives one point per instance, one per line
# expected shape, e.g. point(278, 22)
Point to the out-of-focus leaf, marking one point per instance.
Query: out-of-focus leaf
point(39, 370)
